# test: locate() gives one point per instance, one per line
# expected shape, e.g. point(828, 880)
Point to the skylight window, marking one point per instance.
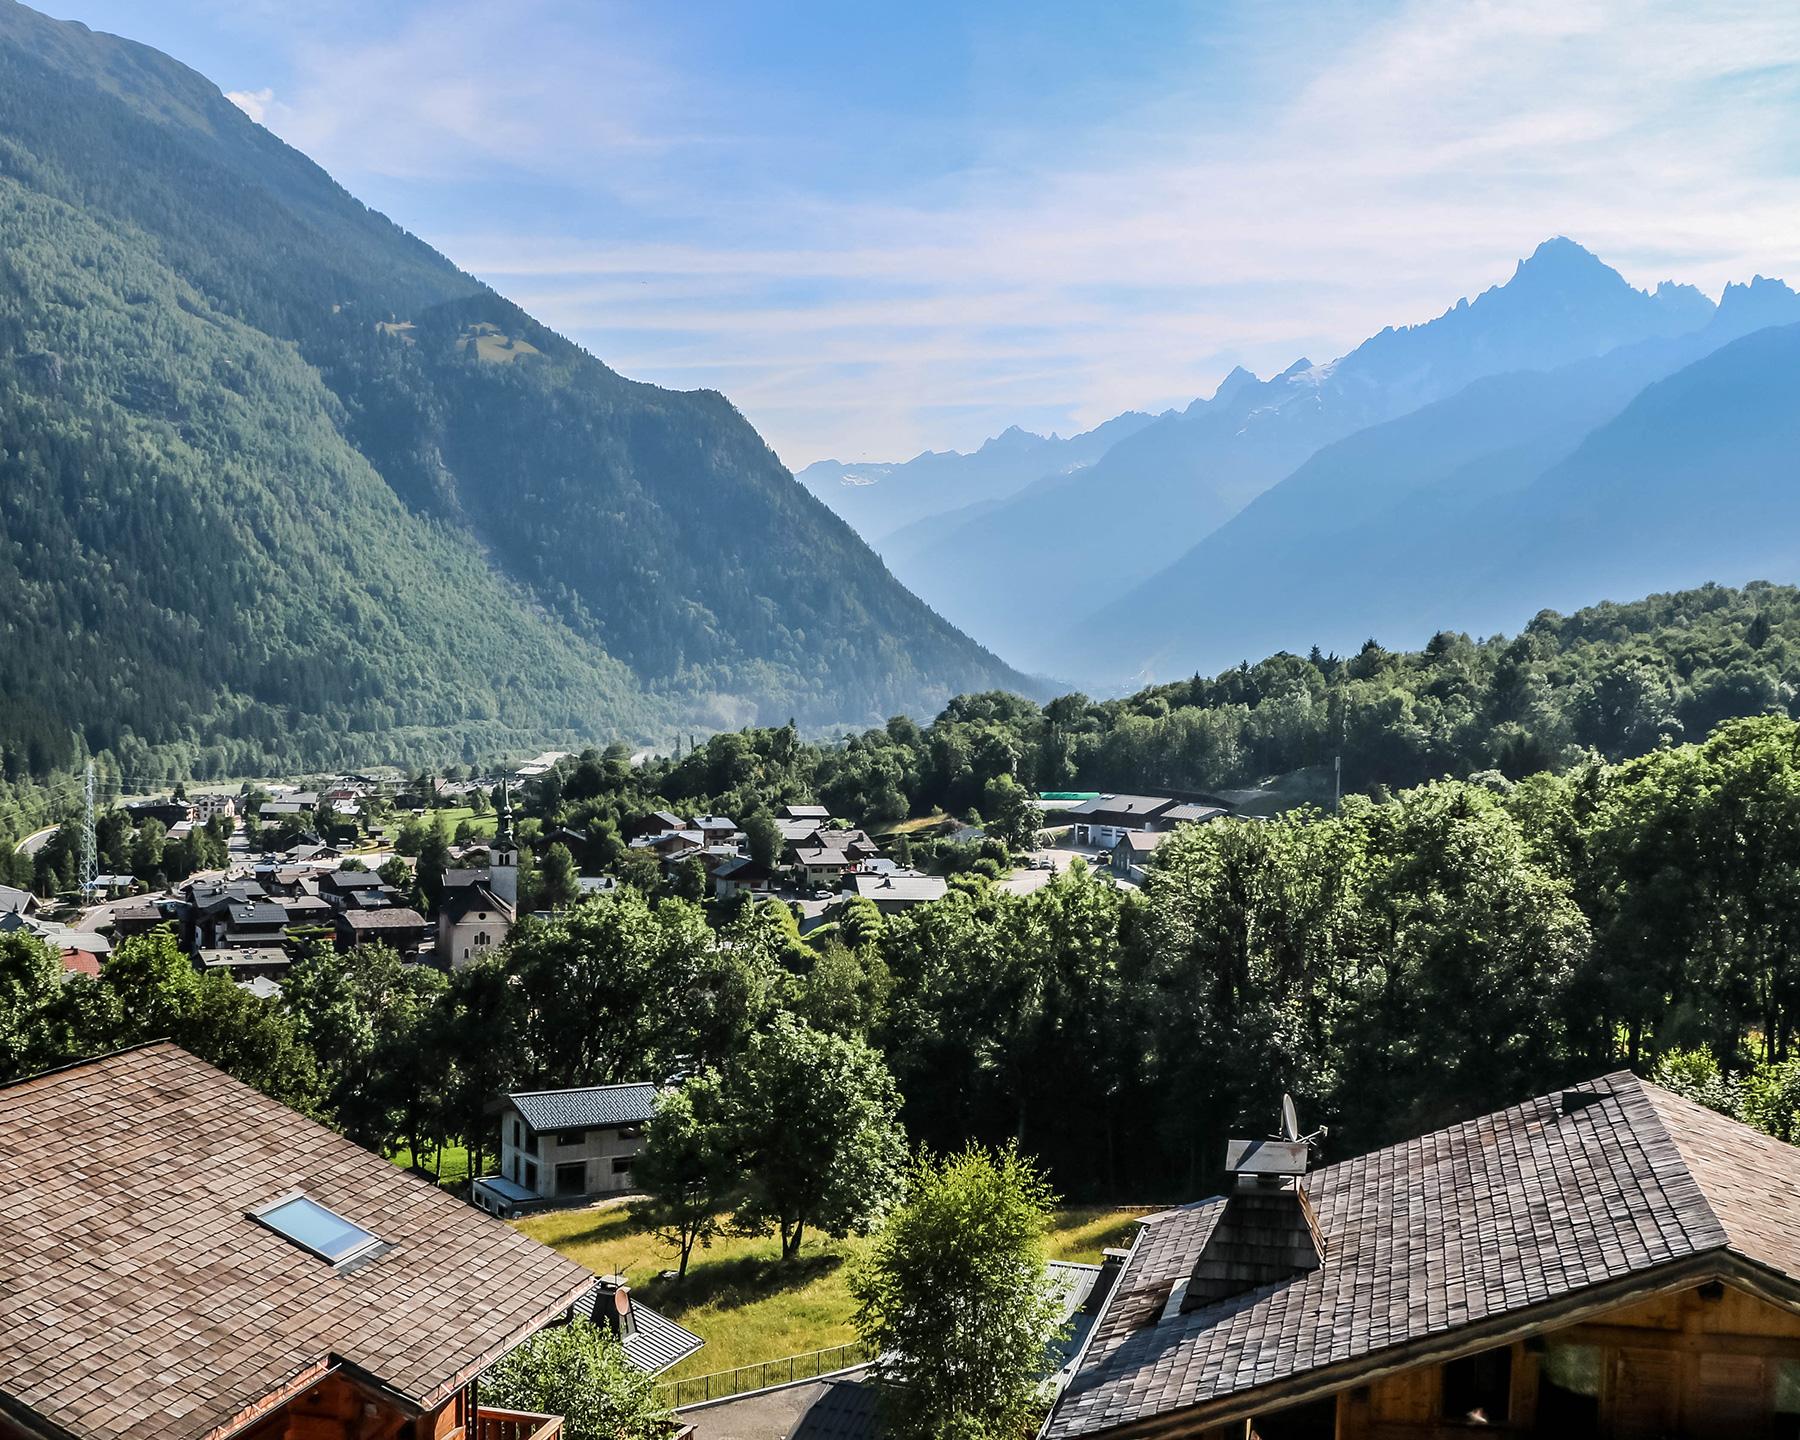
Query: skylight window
point(312, 1227)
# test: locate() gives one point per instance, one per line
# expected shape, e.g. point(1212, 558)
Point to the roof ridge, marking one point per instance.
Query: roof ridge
point(576, 1089)
point(86, 1060)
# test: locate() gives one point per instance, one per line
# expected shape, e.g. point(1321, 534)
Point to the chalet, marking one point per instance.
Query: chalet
point(897, 890)
point(20, 902)
point(141, 916)
point(719, 830)
point(651, 1342)
point(267, 962)
point(742, 876)
point(80, 951)
point(1608, 1260)
point(237, 1269)
point(821, 813)
point(569, 1144)
point(830, 855)
point(399, 927)
point(1131, 853)
point(657, 822)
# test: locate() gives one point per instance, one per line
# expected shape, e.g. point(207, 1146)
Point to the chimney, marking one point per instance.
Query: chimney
point(612, 1306)
point(1267, 1233)
point(1112, 1263)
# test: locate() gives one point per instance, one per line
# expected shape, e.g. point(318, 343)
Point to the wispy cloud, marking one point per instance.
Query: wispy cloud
point(856, 299)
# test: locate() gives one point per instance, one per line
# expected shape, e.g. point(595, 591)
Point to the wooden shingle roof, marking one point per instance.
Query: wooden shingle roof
point(1468, 1229)
point(138, 1299)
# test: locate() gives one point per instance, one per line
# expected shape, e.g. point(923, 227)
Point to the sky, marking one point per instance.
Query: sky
point(881, 229)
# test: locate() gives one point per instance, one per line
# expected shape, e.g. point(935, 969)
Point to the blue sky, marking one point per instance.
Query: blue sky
point(881, 229)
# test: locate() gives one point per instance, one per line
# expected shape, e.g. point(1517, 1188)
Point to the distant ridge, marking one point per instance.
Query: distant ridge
point(1163, 488)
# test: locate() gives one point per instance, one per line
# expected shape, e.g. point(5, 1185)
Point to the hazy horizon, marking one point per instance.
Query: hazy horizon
point(882, 235)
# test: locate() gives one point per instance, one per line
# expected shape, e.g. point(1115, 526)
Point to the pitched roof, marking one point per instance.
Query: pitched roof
point(389, 917)
point(12, 898)
point(586, 1107)
point(656, 1342)
point(138, 1299)
point(1481, 1222)
point(1136, 807)
point(459, 902)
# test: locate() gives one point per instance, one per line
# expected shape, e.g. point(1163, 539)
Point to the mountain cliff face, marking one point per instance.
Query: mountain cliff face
point(1159, 491)
point(279, 481)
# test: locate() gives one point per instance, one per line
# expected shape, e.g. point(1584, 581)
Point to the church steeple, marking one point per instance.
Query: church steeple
point(503, 854)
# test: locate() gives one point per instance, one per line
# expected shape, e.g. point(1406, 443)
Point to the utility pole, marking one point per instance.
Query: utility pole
point(90, 858)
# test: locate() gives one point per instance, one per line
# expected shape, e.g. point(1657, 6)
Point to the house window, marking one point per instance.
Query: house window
point(572, 1137)
point(1569, 1381)
point(621, 1165)
point(571, 1178)
point(1478, 1388)
point(531, 1175)
point(482, 942)
point(516, 1144)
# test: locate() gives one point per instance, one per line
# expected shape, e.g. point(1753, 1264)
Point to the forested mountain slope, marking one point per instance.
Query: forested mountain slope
point(277, 477)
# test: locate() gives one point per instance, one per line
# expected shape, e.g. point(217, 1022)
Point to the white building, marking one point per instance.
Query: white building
point(568, 1144)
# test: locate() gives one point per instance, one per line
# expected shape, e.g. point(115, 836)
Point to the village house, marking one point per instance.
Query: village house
point(895, 890)
point(742, 876)
point(233, 1268)
point(14, 901)
point(1608, 1260)
point(567, 1145)
point(1130, 854)
point(399, 927)
point(1105, 820)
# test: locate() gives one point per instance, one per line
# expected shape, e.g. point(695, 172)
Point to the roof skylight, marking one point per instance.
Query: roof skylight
point(311, 1226)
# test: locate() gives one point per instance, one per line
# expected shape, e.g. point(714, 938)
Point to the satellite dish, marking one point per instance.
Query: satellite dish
point(1290, 1122)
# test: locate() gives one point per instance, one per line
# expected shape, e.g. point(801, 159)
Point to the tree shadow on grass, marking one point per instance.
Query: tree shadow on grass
point(730, 1284)
point(614, 1224)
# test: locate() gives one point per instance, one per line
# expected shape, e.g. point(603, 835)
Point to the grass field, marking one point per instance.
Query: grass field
point(743, 1301)
point(455, 1163)
point(480, 824)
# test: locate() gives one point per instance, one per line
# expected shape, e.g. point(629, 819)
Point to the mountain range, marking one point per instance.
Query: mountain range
point(278, 482)
point(1392, 492)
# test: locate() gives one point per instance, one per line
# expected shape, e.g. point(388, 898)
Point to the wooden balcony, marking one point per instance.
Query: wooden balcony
point(515, 1425)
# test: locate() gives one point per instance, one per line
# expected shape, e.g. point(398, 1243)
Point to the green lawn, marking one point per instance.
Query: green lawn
point(455, 1163)
point(479, 824)
point(743, 1301)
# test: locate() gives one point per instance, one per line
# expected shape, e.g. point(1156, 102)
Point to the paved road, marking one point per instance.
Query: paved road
point(36, 840)
point(1024, 881)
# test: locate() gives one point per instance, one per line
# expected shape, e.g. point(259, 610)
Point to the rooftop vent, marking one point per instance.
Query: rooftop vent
point(1573, 1100)
point(1267, 1232)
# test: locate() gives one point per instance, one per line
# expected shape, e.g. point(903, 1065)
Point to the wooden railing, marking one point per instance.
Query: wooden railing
point(515, 1425)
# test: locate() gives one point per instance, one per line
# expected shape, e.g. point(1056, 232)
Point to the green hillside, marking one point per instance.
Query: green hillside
point(280, 485)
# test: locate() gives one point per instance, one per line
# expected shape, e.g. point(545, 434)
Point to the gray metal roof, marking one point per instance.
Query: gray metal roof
point(656, 1342)
point(589, 1107)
